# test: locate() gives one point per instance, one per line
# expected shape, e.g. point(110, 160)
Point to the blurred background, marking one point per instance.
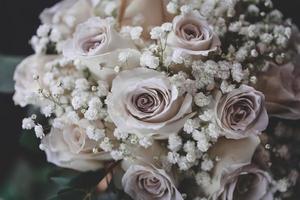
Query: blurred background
point(20, 158)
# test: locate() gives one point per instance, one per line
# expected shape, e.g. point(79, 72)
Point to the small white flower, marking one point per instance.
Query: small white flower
point(146, 142)
point(48, 110)
point(77, 102)
point(237, 72)
point(157, 33)
point(95, 134)
point(203, 178)
point(282, 185)
point(266, 38)
point(173, 157)
point(191, 157)
point(68, 82)
point(148, 60)
point(106, 145)
point(28, 123)
point(235, 26)
point(136, 32)
point(167, 27)
point(213, 130)
point(102, 89)
point(56, 35)
point(254, 53)
point(120, 134)
point(95, 103)
point(43, 30)
point(225, 87)
point(39, 131)
point(183, 163)
point(202, 141)
point(117, 69)
point(207, 164)
point(190, 125)
point(185, 9)
point(91, 114)
point(207, 116)
point(189, 146)
point(172, 7)
point(174, 142)
point(203, 145)
point(117, 155)
point(201, 99)
point(82, 84)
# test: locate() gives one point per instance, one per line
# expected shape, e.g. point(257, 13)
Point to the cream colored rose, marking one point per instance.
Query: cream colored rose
point(192, 35)
point(232, 155)
point(241, 112)
point(249, 183)
point(66, 15)
point(146, 182)
point(71, 148)
point(26, 87)
point(145, 103)
point(281, 87)
point(98, 45)
point(145, 13)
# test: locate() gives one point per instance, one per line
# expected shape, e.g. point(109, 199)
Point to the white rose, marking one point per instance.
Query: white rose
point(192, 35)
point(97, 44)
point(146, 182)
point(144, 102)
point(70, 147)
point(26, 87)
point(66, 15)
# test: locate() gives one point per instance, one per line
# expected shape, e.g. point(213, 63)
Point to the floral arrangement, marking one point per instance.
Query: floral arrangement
point(166, 99)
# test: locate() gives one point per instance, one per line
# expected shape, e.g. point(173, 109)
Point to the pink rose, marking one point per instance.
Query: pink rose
point(241, 112)
point(192, 35)
point(146, 183)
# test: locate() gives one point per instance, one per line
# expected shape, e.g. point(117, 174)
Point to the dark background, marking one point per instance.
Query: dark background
point(18, 22)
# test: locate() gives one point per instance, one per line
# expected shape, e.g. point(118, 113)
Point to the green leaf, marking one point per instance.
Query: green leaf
point(7, 68)
point(88, 179)
point(70, 194)
point(29, 141)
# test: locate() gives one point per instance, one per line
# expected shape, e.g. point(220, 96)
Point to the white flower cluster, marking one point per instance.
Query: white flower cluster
point(173, 90)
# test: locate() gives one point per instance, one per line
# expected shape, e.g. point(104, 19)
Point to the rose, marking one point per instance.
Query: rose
point(145, 13)
point(97, 44)
point(144, 102)
point(233, 164)
point(66, 15)
point(281, 87)
point(26, 87)
point(145, 182)
point(192, 35)
point(241, 112)
point(247, 182)
point(70, 147)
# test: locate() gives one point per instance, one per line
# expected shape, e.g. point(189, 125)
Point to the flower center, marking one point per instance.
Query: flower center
point(190, 32)
point(93, 43)
point(243, 185)
point(149, 101)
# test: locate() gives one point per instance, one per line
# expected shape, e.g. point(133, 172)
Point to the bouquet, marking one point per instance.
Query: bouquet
point(166, 99)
